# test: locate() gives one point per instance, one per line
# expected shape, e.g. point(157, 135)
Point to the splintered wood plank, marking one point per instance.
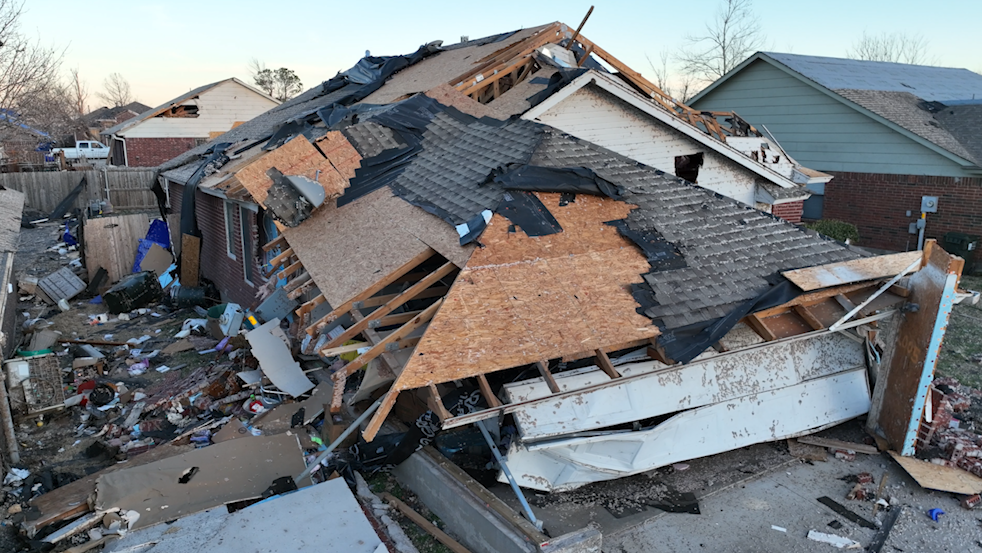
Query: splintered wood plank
point(379, 417)
point(435, 403)
point(937, 477)
point(847, 272)
point(190, 259)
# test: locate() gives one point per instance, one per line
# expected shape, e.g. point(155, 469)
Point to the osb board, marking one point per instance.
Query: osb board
point(522, 299)
point(450, 96)
point(896, 396)
point(856, 270)
point(348, 249)
point(937, 477)
point(298, 157)
point(111, 243)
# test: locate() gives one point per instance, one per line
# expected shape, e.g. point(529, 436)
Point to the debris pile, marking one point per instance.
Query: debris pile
point(954, 435)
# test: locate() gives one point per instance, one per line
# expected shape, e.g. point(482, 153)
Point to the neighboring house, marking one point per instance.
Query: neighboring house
point(166, 131)
point(101, 119)
point(717, 151)
point(891, 134)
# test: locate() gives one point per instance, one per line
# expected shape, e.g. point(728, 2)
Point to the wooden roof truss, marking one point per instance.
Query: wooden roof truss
point(498, 72)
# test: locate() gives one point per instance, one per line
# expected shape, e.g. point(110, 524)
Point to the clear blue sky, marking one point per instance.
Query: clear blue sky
point(166, 48)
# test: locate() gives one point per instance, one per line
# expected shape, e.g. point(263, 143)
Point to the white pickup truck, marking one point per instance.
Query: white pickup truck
point(88, 149)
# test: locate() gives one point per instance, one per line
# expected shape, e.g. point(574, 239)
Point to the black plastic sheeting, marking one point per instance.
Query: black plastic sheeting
point(527, 211)
point(557, 81)
point(662, 255)
point(215, 158)
point(684, 344)
point(575, 180)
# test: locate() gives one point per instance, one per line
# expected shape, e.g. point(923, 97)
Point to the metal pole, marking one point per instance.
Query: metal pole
point(354, 426)
point(920, 233)
point(8, 424)
point(511, 479)
point(835, 326)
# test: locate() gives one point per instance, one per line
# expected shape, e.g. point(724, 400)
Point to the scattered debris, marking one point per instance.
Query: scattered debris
point(831, 539)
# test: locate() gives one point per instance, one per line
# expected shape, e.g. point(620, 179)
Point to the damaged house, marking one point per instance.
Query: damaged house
point(477, 265)
point(174, 127)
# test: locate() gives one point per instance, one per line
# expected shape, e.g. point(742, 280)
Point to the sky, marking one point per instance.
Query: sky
point(167, 48)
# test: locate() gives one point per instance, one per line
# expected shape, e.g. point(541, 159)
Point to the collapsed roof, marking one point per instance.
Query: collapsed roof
point(578, 250)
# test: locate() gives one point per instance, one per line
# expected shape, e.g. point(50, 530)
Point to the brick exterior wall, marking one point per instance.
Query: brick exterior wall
point(790, 211)
point(216, 265)
point(878, 203)
point(151, 152)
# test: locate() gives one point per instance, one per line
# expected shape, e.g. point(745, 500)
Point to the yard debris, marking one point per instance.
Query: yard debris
point(831, 539)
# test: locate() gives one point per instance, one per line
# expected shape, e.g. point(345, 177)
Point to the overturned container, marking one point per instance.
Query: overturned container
point(133, 292)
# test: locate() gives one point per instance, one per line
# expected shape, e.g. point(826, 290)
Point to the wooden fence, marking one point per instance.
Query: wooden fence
point(124, 188)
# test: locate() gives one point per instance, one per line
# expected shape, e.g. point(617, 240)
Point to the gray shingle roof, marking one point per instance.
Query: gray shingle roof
point(903, 108)
point(728, 247)
point(964, 122)
point(926, 82)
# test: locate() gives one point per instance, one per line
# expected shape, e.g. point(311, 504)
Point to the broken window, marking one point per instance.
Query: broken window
point(230, 229)
point(687, 167)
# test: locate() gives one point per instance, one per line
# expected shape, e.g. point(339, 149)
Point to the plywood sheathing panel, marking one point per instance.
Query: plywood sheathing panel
point(111, 243)
point(450, 96)
point(299, 157)
point(856, 270)
point(348, 249)
point(522, 299)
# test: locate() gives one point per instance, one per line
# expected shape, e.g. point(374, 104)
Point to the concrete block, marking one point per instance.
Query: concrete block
point(585, 540)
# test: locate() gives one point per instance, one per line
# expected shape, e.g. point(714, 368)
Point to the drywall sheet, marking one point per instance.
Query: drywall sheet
point(856, 270)
point(111, 243)
point(774, 415)
point(276, 361)
point(291, 522)
point(348, 249)
point(523, 299)
point(230, 471)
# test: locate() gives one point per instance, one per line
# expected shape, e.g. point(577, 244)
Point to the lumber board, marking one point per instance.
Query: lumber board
point(605, 365)
point(394, 303)
point(371, 290)
point(279, 241)
point(807, 316)
point(839, 444)
point(758, 325)
point(489, 397)
point(547, 376)
point(435, 403)
point(848, 272)
point(190, 260)
point(375, 301)
point(379, 417)
point(426, 525)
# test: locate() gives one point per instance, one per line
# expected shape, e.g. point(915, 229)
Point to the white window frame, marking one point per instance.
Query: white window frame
point(244, 227)
point(229, 211)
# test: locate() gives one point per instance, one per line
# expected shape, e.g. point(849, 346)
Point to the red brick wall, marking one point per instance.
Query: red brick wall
point(877, 204)
point(790, 211)
point(151, 152)
point(216, 265)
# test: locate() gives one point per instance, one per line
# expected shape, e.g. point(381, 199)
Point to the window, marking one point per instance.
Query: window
point(247, 253)
point(687, 167)
point(230, 228)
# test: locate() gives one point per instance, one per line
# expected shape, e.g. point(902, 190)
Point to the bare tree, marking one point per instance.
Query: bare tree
point(27, 69)
point(730, 37)
point(679, 86)
point(281, 83)
point(116, 91)
point(78, 92)
point(894, 47)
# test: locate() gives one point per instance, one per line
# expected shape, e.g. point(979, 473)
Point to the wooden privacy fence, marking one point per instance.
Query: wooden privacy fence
point(124, 188)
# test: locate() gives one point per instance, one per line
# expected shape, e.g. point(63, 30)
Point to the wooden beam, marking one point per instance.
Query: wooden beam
point(809, 317)
point(507, 70)
point(394, 303)
point(845, 302)
point(379, 417)
point(580, 28)
point(657, 352)
point(509, 52)
point(435, 403)
point(426, 525)
point(371, 290)
point(334, 352)
point(585, 56)
point(298, 281)
point(547, 376)
point(604, 363)
point(301, 290)
point(403, 331)
point(489, 397)
point(758, 325)
point(340, 378)
point(839, 444)
point(390, 320)
point(280, 259)
point(296, 266)
point(275, 243)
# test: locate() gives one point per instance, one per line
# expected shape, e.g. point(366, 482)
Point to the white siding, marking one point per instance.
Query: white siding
point(218, 109)
point(596, 116)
